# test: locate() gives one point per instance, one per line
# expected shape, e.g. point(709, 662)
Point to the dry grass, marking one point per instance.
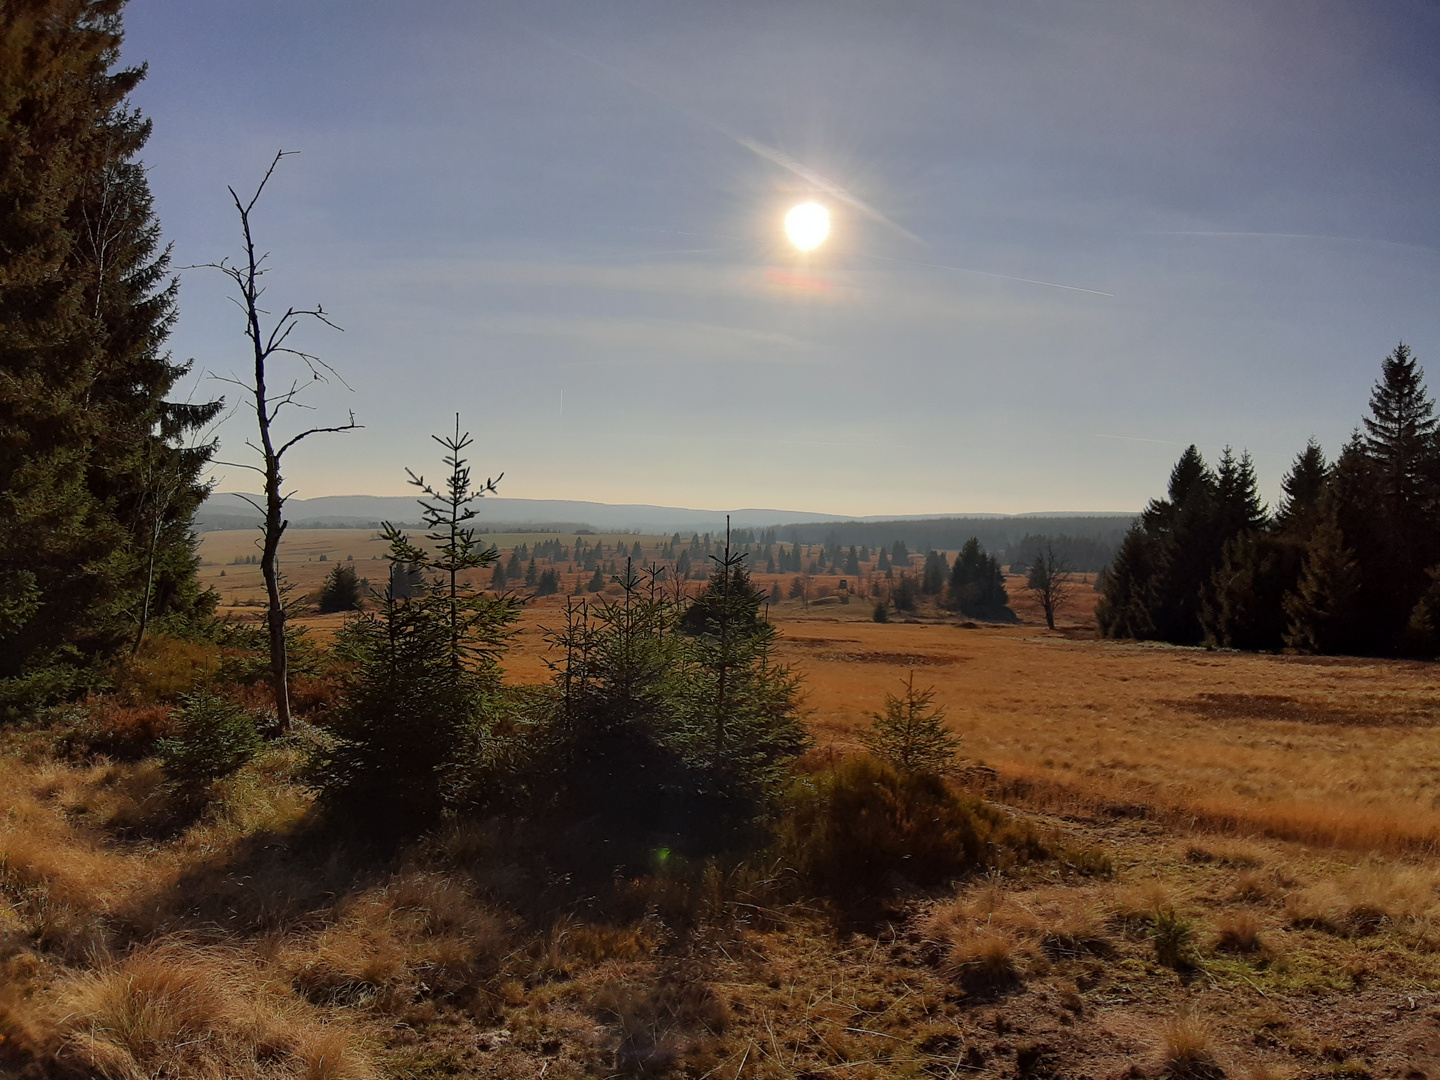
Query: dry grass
point(659, 1020)
point(1108, 728)
point(1185, 1046)
point(1238, 932)
point(990, 937)
point(211, 950)
point(177, 1009)
point(1369, 899)
point(420, 928)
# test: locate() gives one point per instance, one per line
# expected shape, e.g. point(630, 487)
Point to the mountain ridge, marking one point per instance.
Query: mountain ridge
point(230, 510)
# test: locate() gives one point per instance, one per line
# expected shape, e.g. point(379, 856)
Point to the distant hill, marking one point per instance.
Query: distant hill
point(996, 532)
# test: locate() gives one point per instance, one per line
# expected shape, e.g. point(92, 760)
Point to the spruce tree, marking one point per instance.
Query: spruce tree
point(977, 585)
point(1400, 433)
point(341, 591)
point(1303, 487)
point(1323, 611)
point(1390, 511)
point(94, 461)
point(446, 512)
point(910, 735)
point(932, 578)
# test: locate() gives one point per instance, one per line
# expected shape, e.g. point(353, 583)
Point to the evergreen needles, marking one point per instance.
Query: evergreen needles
point(910, 735)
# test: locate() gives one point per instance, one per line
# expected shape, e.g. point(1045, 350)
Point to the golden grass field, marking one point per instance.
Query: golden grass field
point(1330, 750)
point(1246, 885)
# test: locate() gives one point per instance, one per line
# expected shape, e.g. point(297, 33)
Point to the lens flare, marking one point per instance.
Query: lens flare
point(807, 225)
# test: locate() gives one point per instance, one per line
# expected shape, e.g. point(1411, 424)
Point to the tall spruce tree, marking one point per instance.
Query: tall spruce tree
point(1303, 486)
point(1157, 584)
point(98, 484)
point(1323, 611)
point(1388, 513)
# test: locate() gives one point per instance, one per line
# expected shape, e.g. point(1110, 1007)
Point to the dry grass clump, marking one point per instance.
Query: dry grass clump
point(1185, 1047)
point(54, 880)
point(385, 943)
point(178, 1009)
point(988, 937)
point(659, 1020)
point(1252, 886)
point(1238, 932)
point(1138, 906)
point(1150, 910)
point(1367, 900)
point(1238, 854)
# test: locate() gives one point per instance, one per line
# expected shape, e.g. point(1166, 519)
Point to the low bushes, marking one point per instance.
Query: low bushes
point(864, 830)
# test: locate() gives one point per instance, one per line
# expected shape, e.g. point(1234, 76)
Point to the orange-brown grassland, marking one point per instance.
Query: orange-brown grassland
point(1200, 864)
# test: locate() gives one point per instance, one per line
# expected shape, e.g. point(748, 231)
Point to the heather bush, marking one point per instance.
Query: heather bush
point(864, 830)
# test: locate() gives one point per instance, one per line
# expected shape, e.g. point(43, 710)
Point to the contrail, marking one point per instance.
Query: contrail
point(1294, 236)
point(989, 274)
point(810, 176)
point(759, 149)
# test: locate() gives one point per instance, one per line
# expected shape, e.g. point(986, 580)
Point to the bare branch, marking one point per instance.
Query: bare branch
point(351, 426)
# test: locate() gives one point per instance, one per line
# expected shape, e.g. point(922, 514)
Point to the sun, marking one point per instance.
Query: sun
point(807, 225)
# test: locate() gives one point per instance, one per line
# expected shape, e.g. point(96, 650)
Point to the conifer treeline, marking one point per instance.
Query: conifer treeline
point(1349, 563)
point(99, 487)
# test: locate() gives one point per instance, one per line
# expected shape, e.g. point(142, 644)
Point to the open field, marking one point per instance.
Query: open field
point(1325, 750)
point(1238, 878)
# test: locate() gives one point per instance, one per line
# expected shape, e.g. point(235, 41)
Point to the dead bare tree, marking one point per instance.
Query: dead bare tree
point(269, 344)
point(1050, 581)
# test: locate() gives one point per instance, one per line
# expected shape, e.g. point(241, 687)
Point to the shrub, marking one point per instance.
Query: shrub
point(881, 612)
point(212, 738)
point(120, 732)
point(864, 827)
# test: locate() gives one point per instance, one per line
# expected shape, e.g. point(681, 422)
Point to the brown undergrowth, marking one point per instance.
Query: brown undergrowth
point(894, 929)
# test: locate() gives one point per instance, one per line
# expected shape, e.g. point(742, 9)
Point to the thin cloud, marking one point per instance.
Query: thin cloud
point(811, 176)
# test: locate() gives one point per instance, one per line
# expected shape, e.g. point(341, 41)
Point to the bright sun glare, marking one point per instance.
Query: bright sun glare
point(807, 225)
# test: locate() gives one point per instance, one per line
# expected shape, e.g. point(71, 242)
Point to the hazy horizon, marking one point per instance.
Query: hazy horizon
point(1081, 238)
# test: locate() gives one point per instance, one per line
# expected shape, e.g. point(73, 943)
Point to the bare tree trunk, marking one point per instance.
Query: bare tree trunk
point(275, 609)
point(268, 405)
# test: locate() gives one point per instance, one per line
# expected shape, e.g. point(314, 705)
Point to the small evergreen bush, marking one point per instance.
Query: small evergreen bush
point(910, 735)
point(212, 738)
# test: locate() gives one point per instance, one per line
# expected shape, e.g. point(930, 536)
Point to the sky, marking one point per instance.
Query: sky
point(1068, 239)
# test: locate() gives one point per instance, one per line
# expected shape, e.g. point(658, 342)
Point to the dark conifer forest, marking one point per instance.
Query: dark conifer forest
point(1349, 562)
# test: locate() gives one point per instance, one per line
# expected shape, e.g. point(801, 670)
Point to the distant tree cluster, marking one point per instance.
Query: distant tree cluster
point(1350, 562)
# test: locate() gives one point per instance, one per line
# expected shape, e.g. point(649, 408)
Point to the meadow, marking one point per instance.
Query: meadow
point(1232, 874)
point(1328, 750)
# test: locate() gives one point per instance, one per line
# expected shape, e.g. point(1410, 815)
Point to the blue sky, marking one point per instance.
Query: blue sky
point(544, 216)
